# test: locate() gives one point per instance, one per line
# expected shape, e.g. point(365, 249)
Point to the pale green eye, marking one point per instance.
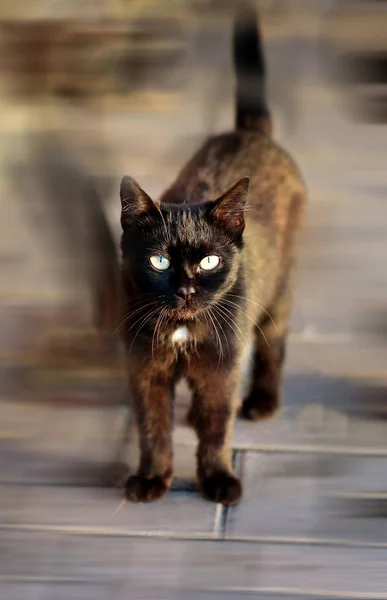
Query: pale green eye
point(209, 263)
point(160, 263)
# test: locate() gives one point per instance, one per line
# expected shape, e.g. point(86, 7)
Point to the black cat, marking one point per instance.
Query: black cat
point(205, 268)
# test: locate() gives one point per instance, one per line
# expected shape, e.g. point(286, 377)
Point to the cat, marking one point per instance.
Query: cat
point(207, 266)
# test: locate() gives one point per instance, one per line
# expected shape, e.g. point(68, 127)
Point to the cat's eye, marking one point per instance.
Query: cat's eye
point(209, 263)
point(160, 263)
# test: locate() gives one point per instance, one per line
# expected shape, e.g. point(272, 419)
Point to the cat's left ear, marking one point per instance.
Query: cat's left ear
point(229, 209)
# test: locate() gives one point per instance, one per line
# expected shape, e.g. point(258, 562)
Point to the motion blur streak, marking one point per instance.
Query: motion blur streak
point(90, 91)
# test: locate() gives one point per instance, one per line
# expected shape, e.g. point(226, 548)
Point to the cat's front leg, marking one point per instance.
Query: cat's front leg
point(151, 399)
point(212, 415)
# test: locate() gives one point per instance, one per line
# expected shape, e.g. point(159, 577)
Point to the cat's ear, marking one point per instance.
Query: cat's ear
point(229, 209)
point(135, 202)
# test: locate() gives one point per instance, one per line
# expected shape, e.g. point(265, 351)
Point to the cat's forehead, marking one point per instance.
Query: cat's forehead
point(187, 226)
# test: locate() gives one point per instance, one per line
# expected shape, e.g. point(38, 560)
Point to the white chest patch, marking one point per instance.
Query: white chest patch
point(180, 336)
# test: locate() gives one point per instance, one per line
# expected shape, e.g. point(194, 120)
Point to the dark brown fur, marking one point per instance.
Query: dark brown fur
point(276, 206)
point(254, 301)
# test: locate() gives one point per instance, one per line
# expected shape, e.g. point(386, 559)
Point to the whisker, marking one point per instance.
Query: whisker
point(220, 309)
point(153, 336)
point(134, 300)
point(142, 317)
point(164, 314)
point(140, 308)
point(257, 304)
point(142, 324)
point(232, 322)
point(130, 315)
point(248, 316)
point(156, 332)
point(222, 330)
point(219, 341)
point(220, 305)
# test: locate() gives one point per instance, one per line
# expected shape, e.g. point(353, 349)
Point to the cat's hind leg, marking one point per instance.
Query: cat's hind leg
point(264, 398)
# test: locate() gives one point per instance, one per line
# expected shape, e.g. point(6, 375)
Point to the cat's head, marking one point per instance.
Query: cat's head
point(186, 257)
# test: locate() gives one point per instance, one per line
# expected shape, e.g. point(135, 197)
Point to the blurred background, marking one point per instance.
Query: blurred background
point(89, 91)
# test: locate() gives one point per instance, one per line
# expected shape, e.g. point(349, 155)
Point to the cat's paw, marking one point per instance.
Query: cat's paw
point(222, 487)
point(260, 405)
point(145, 489)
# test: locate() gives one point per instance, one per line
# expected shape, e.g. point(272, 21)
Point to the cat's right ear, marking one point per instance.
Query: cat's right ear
point(135, 203)
point(229, 209)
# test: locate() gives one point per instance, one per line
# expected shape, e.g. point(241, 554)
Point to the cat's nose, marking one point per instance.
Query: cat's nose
point(185, 292)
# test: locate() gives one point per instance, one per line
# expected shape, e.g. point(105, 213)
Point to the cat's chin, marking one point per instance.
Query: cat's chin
point(185, 314)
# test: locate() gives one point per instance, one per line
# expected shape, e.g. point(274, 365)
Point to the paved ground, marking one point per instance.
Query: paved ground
point(313, 520)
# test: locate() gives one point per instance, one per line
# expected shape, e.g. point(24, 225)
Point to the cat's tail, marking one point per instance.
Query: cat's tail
point(252, 112)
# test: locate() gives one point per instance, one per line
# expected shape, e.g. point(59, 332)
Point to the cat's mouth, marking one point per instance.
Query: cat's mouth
point(184, 311)
point(182, 314)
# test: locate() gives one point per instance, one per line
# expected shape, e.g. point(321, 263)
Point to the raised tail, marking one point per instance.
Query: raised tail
point(252, 112)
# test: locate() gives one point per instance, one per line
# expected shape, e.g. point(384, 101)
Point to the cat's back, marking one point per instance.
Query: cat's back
point(224, 159)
